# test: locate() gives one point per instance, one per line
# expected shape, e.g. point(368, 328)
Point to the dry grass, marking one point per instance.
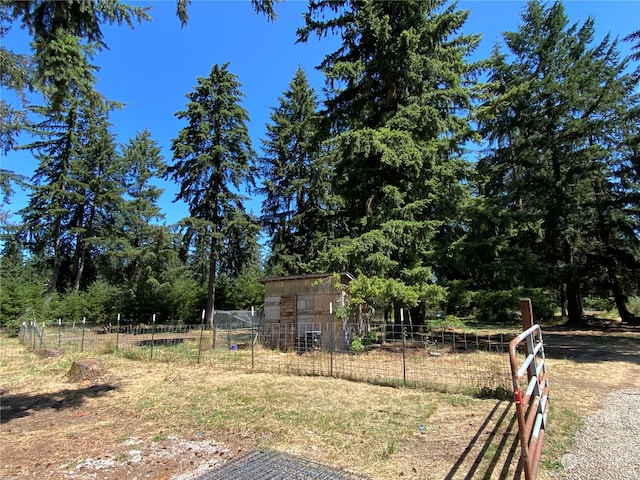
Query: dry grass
point(379, 431)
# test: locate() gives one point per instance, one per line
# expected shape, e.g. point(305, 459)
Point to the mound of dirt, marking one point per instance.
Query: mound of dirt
point(87, 370)
point(50, 352)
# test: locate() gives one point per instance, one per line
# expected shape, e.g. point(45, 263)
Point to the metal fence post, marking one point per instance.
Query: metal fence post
point(153, 333)
point(252, 335)
point(59, 332)
point(201, 332)
point(331, 339)
point(214, 326)
point(84, 321)
point(118, 333)
point(404, 358)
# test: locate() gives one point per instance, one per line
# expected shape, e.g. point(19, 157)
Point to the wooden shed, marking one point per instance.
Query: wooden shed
point(300, 310)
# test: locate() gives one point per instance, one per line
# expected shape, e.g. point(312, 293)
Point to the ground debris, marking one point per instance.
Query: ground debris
point(87, 370)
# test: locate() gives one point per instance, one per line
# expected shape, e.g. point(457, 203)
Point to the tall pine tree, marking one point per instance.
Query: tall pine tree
point(213, 160)
point(297, 206)
point(66, 35)
point(76, 195)
point(140, 251)
point(551, 118)
point(398, 101)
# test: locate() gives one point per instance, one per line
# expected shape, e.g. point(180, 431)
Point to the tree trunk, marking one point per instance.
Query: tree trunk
point(619, 297)
point(81, 247)
point(574, 298)
point(563, 301)
point(57, 261)
point(418, 315)
point(211, 290)
point(611, 266)
point(574, 304)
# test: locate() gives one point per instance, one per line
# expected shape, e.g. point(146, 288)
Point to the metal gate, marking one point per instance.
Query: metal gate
point(532, 404)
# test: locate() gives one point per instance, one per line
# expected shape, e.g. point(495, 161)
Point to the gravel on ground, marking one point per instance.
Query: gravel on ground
point(607, 447)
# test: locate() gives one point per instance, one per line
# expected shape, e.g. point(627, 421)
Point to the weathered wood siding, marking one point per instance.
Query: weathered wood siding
point(294, 306)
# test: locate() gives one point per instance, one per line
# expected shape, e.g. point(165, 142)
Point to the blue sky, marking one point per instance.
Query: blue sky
point(150, 68)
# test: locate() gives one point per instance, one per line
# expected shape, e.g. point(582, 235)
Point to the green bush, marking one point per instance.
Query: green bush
point(459, 297)
point(102, 301)
point(71, 307)
point(133, 353)
point(21, 300)
point(598, 303)
point(633, 305)
point(108, 348)
point(503, 306)
point(449, 321)
point(357, 346)
point(370, 338)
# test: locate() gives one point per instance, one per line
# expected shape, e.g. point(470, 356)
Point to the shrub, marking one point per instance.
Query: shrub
point(109, 347)
point(133, 353)
point(459, 297)
point(102, 301)
point(598, 303)
point(449, 321)
point(634, 306)
point(504, 305)
point(71, 307)
point(357, 346)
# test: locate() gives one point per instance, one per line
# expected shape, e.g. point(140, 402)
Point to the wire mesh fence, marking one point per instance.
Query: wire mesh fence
point(439, 359)
point(263, 465)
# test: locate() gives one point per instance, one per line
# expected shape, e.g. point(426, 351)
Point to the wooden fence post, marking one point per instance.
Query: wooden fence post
point(527, 313)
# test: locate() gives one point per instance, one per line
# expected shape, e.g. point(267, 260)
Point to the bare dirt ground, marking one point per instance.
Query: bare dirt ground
point(141, 420)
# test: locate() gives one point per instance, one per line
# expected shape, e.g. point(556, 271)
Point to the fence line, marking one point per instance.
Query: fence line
point(427, 358)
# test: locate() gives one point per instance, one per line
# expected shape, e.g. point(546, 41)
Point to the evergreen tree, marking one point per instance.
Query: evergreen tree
point(397, 103)
point(260, 6)
point(21, 293)
point(76, 194)
point(164, 283)
point(213, 159)
point(618, 200)
point(550, 120)
point(140, 250)
point(14, 75)
point(634, 38)
point(297, 183)
point(66, 35)
point(47, 225)
point(99, 174)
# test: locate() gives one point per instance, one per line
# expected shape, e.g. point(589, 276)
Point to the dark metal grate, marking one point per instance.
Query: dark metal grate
point(271, 465)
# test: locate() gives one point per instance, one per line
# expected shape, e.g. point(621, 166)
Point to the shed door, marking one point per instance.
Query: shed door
point(288, 310)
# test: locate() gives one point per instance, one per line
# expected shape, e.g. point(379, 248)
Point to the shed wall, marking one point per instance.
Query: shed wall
point(313, 297)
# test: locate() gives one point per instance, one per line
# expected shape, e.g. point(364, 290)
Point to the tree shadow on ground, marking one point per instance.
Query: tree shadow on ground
point(494, 448)
point(592, 346)
point(13, 406)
